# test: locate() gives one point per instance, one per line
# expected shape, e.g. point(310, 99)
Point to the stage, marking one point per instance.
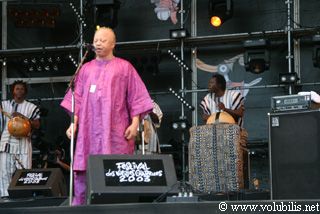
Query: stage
point(241, 206)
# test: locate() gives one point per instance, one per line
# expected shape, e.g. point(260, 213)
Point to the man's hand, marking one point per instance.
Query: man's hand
point(69, 131)
point(17, 114)
point(131, 132)
point(221, 106)
point(205, 117)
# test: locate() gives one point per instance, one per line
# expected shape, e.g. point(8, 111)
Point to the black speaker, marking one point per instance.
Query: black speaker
point(294, 149)
point(129, 178)
point(37, 182)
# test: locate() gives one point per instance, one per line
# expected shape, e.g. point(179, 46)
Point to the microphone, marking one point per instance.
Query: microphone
point(89, 47)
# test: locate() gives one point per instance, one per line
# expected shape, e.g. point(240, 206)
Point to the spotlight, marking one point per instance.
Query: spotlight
point(178, 33)
point(26, 61)
point(47, 68)
point(55, 68)
point(34, 15)
point(220, 11)
point(106, 12)
point(316, 51)
point(256, 57)
point(175, 125)
point(58, 59)
point(39, 68)
point(288, 78)
point(181, 124)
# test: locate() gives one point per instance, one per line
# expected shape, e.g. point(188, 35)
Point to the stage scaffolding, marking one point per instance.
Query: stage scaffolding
point(288, 34)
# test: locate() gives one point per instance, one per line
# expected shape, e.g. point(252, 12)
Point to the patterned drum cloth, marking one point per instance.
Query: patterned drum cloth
point(216, 158)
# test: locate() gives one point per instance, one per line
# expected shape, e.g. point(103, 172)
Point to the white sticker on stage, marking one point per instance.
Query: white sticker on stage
point(92, 88)
point(275, 122)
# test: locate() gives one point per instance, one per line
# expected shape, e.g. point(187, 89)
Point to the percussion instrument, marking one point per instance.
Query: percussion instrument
point(221, 117)
point(19, 127)
point(216, 158)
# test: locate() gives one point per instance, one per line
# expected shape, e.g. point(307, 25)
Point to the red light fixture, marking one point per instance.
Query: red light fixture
point(220, 11)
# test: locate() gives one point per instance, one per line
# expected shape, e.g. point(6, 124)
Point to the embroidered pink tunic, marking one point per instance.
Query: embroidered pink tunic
point(108, 93)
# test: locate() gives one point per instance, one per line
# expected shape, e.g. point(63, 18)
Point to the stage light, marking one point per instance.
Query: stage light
point(256, 57)
point(72, 59)
point(55, 68)
point(220, 11)
point(106, 13)
point(181, 124)
point(58, 59)
point(26, 61)
point(288, 78)
point(42, 60)
point(34, 15)
point(39, 68)
point(215, 21)
point(316, 51)
point(178, 33)
point(47, 68)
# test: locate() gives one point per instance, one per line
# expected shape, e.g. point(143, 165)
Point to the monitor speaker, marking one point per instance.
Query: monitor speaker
point(37, 182)
point(130, 178)
point(294, 149)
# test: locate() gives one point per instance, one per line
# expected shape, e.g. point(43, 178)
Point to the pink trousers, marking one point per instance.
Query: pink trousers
point(79, 185)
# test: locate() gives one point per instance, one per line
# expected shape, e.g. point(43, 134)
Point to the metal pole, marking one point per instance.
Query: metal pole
point(81, 29)
point(193, 63)
point(289, 31)
point(182, 58)
point(4, 32)
point(73, 109)
point(183, 168)
point(296, 42)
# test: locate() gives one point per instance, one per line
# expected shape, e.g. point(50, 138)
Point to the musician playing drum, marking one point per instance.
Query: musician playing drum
point(220, 99)
point(16, 150)
point(223, 144)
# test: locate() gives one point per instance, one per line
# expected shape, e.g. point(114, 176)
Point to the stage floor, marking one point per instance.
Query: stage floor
point(306, 206)
point(218, 205)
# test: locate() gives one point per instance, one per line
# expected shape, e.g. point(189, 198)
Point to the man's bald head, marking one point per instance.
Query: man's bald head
point(107, 31)
point(104, 42)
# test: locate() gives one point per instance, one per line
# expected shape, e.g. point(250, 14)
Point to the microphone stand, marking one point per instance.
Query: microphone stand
point(71, 87)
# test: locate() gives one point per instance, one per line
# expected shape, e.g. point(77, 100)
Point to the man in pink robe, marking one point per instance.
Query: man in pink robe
point(110, 98)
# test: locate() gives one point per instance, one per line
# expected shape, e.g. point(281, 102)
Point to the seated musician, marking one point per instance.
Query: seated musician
point(221, 105)
point(220, 99)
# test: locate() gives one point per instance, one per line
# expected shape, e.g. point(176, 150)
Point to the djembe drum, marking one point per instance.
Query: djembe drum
point(216, 158)
point(221, 117)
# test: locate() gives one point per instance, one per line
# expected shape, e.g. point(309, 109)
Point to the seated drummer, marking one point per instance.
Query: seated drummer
point(220, 99)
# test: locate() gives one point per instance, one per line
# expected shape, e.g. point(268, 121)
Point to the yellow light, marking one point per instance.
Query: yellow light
point(215, 21)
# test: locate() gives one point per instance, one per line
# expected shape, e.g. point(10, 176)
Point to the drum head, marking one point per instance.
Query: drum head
point(221, 117)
